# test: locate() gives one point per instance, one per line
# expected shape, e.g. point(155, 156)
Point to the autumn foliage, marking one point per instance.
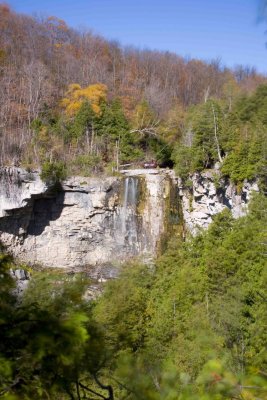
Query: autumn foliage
point(48, 71)
point(75, 96)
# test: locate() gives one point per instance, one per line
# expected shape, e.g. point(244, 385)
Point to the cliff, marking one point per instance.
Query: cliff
point(94, 222)
point(100, 222)
point(209, 195)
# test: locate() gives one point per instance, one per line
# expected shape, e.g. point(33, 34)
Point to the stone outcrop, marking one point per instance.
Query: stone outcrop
point(17, 188)
point(210, 195)
point(94, 222)
point(100, 222)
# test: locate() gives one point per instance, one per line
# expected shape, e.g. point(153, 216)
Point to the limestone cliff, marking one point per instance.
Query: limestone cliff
point(100, 222)
point(209, 194)
point(86, 221)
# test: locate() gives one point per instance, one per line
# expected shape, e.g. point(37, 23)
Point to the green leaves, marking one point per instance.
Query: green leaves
point(192, 327)
point(124, 317)
point(53, 172)
point(49, 341)
point(237, 138)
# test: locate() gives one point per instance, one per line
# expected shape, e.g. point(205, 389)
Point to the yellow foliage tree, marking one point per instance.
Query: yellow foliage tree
point(75, 96)
point(231, 90)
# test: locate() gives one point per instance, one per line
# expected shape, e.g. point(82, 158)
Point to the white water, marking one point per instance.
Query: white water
point(128, 219)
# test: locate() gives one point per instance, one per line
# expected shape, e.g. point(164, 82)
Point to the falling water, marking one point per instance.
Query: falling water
point(130, 192)
point(128, 214)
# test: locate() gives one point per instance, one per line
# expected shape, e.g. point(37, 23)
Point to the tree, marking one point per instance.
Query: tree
point(114, 131)
point(75, 96)
point(50, 347)
point(185, 327)
point(144, 120)
point(207, 128)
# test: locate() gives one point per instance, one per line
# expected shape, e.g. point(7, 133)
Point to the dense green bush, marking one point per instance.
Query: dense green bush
point(53, 172)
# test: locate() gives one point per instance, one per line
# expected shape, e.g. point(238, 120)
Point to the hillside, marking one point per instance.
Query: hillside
point(117, 281)
point(75, 103)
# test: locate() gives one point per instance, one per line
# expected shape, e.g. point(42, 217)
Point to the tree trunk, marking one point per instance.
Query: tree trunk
point(216, 135)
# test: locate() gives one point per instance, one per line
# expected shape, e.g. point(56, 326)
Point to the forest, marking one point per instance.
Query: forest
point(193, 324)
point(74, 103)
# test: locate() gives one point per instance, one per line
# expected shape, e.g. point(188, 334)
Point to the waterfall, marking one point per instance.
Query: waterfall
point(90, 222)
point(128, 215)
point(130, 192)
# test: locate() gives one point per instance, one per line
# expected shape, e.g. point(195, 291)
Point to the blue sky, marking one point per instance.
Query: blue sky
point(204, 29)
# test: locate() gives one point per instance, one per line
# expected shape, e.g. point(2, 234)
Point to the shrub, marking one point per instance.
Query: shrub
point(53, 172)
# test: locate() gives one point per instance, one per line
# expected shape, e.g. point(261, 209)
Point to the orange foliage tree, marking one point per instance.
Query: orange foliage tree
point(75, 96)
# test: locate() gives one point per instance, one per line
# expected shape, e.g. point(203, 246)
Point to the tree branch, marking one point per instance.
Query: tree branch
point(145, 131)
point(92, 391)
point(108, 388)
point(7, 388)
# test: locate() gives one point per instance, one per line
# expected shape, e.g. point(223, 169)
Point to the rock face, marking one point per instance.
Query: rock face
point(205, 200)
point(100, 222)
point(95, 222)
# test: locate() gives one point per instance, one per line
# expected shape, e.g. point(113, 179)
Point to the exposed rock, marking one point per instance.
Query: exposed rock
point(86, 222)
point(204, 200)
point(101, 222)
point(18, 187)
